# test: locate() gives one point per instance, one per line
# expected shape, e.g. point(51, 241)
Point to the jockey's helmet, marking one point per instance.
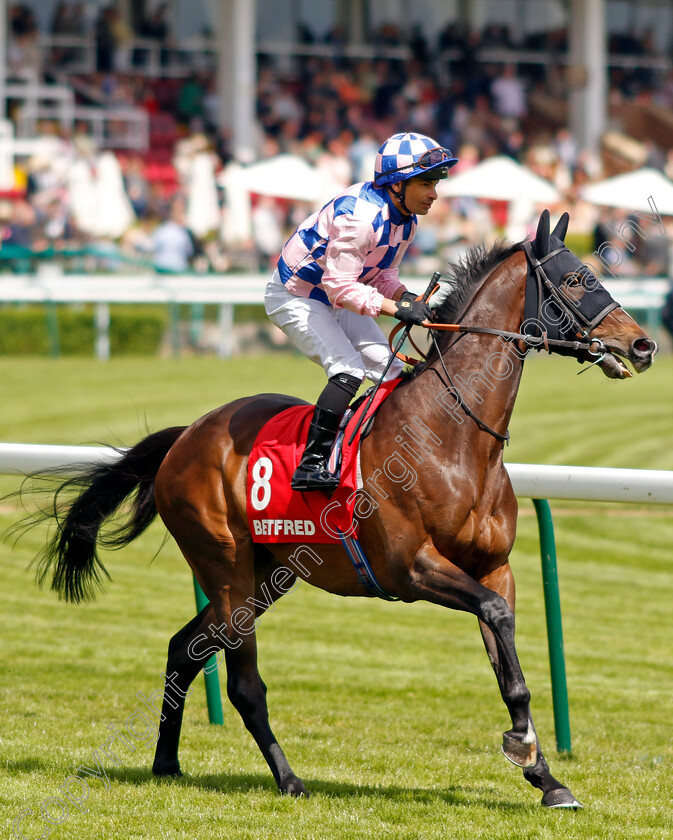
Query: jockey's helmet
point(405, 156)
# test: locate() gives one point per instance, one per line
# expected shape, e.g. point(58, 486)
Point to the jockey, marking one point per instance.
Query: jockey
point(339, 270)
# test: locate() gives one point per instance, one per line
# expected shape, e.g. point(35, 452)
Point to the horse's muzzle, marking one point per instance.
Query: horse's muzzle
point(641, 353)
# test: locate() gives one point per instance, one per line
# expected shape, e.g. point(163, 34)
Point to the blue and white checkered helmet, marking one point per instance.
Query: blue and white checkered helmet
point(405, 156)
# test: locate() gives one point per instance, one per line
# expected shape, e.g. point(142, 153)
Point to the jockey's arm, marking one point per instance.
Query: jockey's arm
point(388, 306)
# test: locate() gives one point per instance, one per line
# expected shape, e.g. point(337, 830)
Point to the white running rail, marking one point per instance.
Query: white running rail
point(533, 481)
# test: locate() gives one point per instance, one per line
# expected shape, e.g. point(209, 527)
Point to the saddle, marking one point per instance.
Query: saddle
point(278, 514)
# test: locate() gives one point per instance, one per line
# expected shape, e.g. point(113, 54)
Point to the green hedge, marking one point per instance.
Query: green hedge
point(581, 244)
point(35, 329)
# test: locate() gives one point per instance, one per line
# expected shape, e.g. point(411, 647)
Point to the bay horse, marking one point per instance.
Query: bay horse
point(444, 538)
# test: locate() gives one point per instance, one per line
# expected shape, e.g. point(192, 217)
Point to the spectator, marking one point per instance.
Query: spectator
point(105, 40)
point(509, 97)
point(22, 20)
point(565, 146)
point(59, 26)
point(22, 227)
point(419, 45)
point(24, 57)
point(155, 27)
point(362, 154)
point(189, 106)
point(122, 35)
point(57, 227)
point(136, 185)
point(66, 20)
point(76, 20)
point(211, 106)
point(652, 251)
point(667, 312)
point(172, 245)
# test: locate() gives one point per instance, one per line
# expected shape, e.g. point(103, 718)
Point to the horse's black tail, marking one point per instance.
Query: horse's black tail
point(71, 554)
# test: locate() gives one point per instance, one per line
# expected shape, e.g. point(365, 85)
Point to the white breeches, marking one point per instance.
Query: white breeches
point(338, 340)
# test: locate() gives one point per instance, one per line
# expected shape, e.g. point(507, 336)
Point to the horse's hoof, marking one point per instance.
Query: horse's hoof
point(167, 768)
point(294, 787)
point(520, 751)
point(560, 798)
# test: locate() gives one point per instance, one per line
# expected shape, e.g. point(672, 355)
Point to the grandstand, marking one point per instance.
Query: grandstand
point(575, 91)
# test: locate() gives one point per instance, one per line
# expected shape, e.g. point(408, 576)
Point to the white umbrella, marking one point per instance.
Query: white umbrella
point(282, 176)
point(83, 196)
point(114, 213)
point(499, 179)
point(632, 191)
point(203, 211)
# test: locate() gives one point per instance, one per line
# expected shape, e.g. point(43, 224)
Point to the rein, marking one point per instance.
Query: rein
point(504, 439)
point(593, 347)
point(533, 342)
point(585, 344)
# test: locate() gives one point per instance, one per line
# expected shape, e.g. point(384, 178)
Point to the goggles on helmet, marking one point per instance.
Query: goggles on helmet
point(429, 160)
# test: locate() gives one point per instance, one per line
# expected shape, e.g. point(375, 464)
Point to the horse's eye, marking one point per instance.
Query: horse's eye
point(572, 279)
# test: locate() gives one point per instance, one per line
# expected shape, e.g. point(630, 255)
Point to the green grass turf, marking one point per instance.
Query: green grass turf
point(389, 712)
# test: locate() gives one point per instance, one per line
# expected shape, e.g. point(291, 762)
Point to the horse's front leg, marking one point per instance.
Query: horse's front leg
point(555, 794)
point(436, 579)
point(443, 582)
point(520, 744)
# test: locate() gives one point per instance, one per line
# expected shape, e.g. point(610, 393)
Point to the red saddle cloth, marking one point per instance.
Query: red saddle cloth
point(278, 514)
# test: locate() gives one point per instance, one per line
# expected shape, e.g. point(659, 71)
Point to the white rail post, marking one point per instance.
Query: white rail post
point(226, 324)
point(103, 331)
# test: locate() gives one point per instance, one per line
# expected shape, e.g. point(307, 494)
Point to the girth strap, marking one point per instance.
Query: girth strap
point(362, 568)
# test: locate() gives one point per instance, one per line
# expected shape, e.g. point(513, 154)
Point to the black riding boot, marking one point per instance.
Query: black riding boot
point(311, 473)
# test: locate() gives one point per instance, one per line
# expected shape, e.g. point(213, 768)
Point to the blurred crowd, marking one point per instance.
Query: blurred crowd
point(333, 112)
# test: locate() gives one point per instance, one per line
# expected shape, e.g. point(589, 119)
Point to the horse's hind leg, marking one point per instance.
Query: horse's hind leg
point(244, 601)
point(520, 744)
point(247, 692)
point(228, 625)
point(245, 687)
point(182, 668)
point(199, 511)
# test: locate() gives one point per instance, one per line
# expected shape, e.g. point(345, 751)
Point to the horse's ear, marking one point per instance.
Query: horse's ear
point(541, 241)
point(561, 227)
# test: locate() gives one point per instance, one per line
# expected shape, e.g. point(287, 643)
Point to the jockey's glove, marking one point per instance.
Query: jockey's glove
point(412, 311)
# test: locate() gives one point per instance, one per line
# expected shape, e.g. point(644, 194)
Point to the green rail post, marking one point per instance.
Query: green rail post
point(174, 326)
point(196, 326)
point(552, 603)
point(211, 672)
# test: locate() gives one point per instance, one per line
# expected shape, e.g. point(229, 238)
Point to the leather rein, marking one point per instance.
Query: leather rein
point(593, 347)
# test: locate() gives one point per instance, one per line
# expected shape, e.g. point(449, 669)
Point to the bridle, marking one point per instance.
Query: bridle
point(579, 323)
point(537, 283)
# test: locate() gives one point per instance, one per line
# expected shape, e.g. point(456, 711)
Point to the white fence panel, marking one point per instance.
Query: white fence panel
point(596, 484)
point(23, 458)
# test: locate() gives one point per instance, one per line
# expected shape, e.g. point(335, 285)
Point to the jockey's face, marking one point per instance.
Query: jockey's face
point(420, 194)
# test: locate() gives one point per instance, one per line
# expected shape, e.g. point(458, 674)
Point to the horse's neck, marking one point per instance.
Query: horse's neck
point(485, 370)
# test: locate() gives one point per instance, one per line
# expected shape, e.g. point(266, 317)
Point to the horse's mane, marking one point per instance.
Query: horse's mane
point(466, 278)
point(467, 275)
